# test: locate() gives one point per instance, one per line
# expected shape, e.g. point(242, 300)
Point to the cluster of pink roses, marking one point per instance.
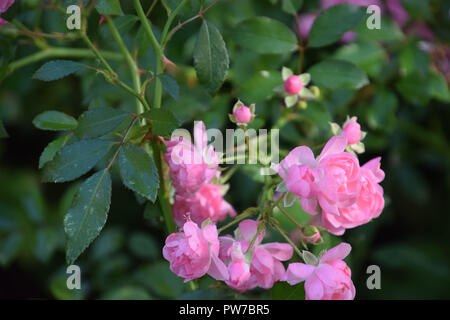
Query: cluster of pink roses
point(244, 263)
point(192, 168)
point(334, 187)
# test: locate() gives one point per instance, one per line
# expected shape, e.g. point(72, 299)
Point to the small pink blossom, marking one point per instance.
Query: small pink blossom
point(329, 280)
point(352, 130)
point(206, 203)
point(243, 114)
point(194, 252)
point(191, 164)
point(293, 84)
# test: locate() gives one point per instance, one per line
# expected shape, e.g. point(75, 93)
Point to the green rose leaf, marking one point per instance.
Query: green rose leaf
point(170, 85)
point(109, 7)
point(334, 74)
point(51, 149)
point(88, 214)
point(54, 120)
point(292, 6)
point(210, 57)
point(163, 121)
point(331, 24)
point(57, 69)
point(99, 121)
point(284, 291)
point(138, 171)
point(74, 160)
point(265, 35)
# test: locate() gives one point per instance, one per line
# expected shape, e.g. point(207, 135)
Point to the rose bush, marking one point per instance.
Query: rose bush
point(314, 98)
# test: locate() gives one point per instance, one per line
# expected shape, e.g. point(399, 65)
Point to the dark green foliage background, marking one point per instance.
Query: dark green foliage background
point(405, 110)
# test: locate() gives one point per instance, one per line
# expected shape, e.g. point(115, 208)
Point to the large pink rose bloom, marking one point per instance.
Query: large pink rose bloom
point(341, 183)
point(369, 204)
point(329, 280)
point(332, 180)
point(191, 164)
point(194, 253)
point(265, 266)
point(206, 203)
point(4, 6)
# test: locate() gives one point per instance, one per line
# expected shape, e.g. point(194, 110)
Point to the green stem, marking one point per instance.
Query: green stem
point(163, 194)
point(261, 226)
point(129, 60)
point(96, 52)
point(113, 77)
point(170, 20)
point(244, 215)
point(158, 52)
point(298, 225)
point(58, 53)
point(286, 237)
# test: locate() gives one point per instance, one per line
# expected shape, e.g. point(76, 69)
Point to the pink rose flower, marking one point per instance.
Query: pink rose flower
point(369, 204)
point(4, 6)
point(265, 266)
point(341, 183)
point(191, 165)
point(352, 130)
point(293, 84)
point(331, 181)
point(206, 203)
point(194, 253)
point(329, 280)
point(243, 114)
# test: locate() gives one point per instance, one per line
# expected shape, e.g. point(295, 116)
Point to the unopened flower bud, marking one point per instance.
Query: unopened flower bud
point(311, 234)
point(293, 84)
point(352, 131)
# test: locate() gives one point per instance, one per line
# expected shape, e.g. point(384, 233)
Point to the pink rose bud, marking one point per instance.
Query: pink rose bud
point(352, 131)
point(243, 114)
point(293, 85)
point(312, 235)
